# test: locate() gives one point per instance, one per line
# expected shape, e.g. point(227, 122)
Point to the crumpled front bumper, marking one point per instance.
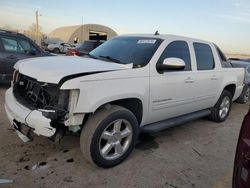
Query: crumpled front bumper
point(33, 119)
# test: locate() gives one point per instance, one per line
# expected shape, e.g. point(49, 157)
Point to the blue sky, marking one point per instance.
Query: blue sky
point(225, 22)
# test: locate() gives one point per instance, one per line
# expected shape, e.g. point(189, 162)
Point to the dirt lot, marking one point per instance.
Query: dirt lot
point(199, 154)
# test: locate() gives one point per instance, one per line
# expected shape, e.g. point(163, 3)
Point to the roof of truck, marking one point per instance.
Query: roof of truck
point(167, 36)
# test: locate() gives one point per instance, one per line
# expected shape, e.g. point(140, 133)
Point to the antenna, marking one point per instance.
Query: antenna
point(157, 33)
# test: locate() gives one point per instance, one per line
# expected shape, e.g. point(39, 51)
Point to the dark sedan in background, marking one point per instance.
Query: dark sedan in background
point(84, 48)
point(14, 47)
point(247, 60)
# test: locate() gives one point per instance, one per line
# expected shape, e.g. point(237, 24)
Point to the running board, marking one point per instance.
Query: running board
point(159, 126)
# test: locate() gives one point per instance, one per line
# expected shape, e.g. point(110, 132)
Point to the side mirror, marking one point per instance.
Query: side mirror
point(171, 64)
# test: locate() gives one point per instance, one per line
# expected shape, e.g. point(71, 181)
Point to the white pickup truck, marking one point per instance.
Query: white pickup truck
point(130, 84)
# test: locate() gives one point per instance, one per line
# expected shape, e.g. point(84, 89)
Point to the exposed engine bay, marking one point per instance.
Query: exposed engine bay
point(45, 97)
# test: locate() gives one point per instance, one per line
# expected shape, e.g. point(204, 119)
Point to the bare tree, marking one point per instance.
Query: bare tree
point(33, 27)
point(7, 27)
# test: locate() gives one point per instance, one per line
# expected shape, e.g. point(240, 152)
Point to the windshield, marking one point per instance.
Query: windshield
point(126, 50)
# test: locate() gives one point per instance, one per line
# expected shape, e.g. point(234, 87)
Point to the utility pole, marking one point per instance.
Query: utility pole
point(37, 24)
point(37, 28)
point(81, 30)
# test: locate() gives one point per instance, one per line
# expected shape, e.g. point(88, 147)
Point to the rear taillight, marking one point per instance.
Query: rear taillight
point(73, 52)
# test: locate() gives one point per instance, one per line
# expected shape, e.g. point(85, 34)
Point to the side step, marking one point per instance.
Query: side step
point(159, 126)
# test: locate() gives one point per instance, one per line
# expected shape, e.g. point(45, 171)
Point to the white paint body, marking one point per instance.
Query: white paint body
point(163, 96)
point(63, 47)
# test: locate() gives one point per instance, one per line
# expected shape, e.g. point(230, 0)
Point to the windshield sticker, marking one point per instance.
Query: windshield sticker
point(146, 41)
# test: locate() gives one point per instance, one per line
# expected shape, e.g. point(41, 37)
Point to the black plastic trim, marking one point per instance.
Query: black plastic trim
point(165, 124)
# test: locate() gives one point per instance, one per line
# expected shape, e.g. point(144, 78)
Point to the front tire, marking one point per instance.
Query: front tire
point(109, 136)
point(220, 111)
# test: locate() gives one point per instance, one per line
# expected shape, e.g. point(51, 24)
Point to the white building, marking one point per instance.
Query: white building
point(80, 33)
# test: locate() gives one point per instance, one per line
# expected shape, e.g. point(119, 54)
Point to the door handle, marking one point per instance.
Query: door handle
point(214, 77)
point(189, 80)
point(11, 57)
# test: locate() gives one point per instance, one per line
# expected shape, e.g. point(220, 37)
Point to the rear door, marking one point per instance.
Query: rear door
point(207, 78)
point(241, 177)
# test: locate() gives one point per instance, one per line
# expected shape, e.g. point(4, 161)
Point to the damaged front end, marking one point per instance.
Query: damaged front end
point(47, 107)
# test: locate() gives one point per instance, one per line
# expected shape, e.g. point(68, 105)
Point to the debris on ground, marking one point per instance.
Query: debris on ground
point(71, 160)
point(197, 152)
point(5, 181)
point(27, 167)
point(42, 163)
point(22, 159)
point(68, 179)
point(34, 167)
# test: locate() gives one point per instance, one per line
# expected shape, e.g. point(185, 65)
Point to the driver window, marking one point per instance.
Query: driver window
point(16, 45)
point(177, 49)
point(25, 46)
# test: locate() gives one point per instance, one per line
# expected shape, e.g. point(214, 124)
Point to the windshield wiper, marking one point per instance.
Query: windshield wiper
point(110, 58)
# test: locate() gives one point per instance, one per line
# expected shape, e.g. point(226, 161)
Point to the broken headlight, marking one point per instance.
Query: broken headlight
point(59, 109)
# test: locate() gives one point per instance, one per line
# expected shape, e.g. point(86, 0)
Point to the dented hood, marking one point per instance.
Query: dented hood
point(53, 69)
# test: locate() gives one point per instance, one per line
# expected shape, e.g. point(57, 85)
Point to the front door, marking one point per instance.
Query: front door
point(172, 92)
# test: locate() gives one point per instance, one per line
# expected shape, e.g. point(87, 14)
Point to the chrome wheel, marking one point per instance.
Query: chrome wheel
point(115, 139)
point(246, 96)
point(224, 107)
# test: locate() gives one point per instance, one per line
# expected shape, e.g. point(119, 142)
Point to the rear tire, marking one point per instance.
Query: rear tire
point(56, 50)
point(109, 136)
point(220, 111)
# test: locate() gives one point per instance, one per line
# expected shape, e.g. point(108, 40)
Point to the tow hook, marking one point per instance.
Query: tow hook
point(57, 137)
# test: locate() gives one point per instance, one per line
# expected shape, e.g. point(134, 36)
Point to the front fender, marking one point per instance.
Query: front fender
point(94, 94)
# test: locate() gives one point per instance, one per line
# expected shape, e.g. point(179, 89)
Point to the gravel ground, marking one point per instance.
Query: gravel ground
point(198, 154)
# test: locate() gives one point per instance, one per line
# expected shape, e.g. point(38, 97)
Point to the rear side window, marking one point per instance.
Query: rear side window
point(177, 49)
point(16, 45)
point(204, 56)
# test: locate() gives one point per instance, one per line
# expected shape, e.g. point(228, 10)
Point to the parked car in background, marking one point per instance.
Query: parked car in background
point(59, 47)
point(14, 47)
point(84, 48)
point(244, 97)
point(241, 175)
point(238, 59)
point(239, 63)
point(246, 60)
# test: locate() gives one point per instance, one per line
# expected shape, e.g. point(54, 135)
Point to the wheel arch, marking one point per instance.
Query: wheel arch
point(135, 105)
point(231, 88)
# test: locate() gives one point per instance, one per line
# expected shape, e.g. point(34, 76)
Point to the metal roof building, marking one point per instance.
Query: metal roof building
point(80, 33)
